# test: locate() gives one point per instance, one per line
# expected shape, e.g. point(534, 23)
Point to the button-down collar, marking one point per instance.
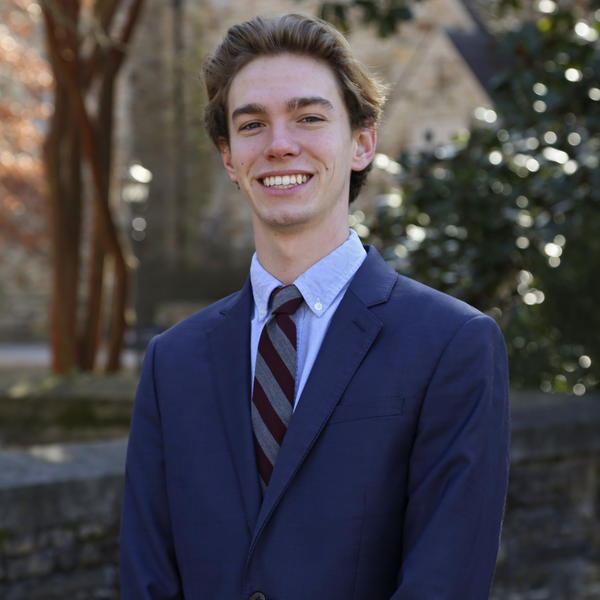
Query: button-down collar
point(319, 285)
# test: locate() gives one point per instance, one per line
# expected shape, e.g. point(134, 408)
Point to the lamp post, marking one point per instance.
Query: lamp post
point(134, 193)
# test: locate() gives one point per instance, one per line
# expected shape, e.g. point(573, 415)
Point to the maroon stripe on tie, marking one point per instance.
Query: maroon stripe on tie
point(278, 368)
point(287, 326)
point(289, 307)
point(267, 413)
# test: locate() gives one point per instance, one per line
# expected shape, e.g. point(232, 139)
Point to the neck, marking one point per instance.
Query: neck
point(287, 254)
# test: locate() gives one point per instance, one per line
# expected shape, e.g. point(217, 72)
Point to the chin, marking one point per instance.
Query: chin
point(286, 219)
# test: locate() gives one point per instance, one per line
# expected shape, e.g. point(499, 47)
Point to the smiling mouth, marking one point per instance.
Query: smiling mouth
point(284, 182)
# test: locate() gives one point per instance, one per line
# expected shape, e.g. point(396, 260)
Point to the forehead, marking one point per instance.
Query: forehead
point(272, 80)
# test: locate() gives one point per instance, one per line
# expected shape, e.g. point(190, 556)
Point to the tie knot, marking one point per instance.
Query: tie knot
point(286, 300)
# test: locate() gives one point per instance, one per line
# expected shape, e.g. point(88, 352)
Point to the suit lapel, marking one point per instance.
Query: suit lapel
point(351, 333)
point(230, 344)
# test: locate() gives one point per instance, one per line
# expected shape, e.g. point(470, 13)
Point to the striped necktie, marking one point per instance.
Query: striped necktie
point(274, 379)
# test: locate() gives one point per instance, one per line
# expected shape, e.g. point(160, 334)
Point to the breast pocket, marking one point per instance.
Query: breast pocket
point(373, 407)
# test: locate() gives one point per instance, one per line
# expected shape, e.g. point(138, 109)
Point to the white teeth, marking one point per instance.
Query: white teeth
point(285, 181)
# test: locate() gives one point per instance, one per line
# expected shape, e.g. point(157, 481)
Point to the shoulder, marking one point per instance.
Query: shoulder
point(438, 320)
point(376, 283)
point(415, 309)
point(416, 296)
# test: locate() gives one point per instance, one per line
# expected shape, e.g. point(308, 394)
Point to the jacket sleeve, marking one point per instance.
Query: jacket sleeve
point(148, 567)
point(458, 472)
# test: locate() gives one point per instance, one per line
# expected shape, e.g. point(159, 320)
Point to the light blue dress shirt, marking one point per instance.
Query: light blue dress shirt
point(322, 286)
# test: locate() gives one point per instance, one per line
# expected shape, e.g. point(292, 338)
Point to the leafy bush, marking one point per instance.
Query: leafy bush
point(508, 218)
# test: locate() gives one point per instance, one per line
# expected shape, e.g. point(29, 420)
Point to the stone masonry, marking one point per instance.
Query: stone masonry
point(550, 546)
point(59, 521)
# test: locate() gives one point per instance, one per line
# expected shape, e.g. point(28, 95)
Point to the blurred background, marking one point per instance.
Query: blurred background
point(117, 220)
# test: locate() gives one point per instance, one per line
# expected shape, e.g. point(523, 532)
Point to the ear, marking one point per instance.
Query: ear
point(365, 139)
point(225, 152)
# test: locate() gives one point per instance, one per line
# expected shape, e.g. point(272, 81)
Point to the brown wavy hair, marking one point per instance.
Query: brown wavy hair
point(296, 34)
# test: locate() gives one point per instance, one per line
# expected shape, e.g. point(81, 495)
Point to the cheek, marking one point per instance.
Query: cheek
point(328, 151)
point(242, 153)
point(245, 156)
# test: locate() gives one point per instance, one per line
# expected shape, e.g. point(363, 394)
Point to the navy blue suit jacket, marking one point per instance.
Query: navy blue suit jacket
point(391, 480)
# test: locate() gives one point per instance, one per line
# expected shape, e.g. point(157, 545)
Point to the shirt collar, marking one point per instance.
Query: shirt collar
point(319, 285)
point(263, 284)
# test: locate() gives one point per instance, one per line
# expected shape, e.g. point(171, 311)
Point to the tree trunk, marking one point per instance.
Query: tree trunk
point(63, 171)
point(120, 298)
point(91, 330)
point(74, 136)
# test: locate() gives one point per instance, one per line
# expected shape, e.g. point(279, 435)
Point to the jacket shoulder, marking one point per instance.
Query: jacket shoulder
point(426, 314)
point(410, 292)
point(400, 300)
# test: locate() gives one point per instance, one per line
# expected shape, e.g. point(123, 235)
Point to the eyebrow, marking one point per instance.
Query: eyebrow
point(296, 103)
point(248, 109)
point(291, 105)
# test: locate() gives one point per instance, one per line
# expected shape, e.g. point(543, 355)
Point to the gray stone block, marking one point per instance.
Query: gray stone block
point(62, 586)
point(554, 426)
point(54, 486)
point(34, 565)
point(19, 545)
point(62, 462)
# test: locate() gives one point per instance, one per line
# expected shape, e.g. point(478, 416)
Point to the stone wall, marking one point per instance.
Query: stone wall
point(59, 521)
point(60, 507)
point(551, 538)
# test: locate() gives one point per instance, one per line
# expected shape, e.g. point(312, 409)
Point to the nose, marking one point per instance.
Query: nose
point(281, 142)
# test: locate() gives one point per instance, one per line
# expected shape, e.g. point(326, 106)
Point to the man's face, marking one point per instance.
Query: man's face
point(291, 149)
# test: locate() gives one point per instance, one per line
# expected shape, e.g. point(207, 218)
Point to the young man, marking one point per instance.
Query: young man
point(333, 430)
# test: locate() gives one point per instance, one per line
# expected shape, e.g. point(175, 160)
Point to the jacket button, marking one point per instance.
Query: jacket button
point(257, 596)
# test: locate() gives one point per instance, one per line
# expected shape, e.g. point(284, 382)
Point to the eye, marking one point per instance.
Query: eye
point(250, 126)
point(311, 119)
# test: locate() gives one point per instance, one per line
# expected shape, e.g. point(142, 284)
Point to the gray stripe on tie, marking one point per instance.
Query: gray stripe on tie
point(283, 346)
point(281, 405)
point(263, 435)
point(285, 295)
